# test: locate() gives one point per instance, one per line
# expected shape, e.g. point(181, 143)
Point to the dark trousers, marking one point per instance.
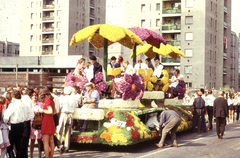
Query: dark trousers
point(200, 120)
point(15, 138)
point(56, 121)
point(236, 108)
point(220, 125)
point(25, 139)
point(210, 116)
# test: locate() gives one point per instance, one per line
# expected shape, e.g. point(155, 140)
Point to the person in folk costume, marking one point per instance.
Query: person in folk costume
point(158, 68)
point(126, 69)
point(118, 63)
point(111, 64)
point(87, 67)
point(140, 65)
point(174, 81)
point(79, 71)
point(94, 68)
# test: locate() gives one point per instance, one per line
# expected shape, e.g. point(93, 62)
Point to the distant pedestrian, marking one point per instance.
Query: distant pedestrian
point(220, 112)
point(209, 103)
point(171, 120)
point(198, 113)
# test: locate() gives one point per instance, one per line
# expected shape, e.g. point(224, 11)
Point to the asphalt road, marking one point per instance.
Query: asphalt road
point(191, 145)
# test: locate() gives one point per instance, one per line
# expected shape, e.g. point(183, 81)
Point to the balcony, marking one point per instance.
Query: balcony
point(92, 16)
point(170, 60)
point(171, 27)
point(171, 11)
point(50, 29)
point(233, 55)
point(224, 55)
point(47, 52)
point(91, 48)
point(48, 40)
point(224, 70)
point(225, 9)
point(47, 18)
point(92, 5)
point(174, 43)
point(49, 6)
point(225, 24)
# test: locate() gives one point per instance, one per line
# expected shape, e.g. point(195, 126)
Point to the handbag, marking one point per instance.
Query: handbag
point(37, 121)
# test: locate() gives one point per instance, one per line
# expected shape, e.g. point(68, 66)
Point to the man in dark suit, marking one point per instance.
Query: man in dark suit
point(220, 112)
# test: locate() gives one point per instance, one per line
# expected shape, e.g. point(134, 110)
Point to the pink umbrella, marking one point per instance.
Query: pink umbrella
point(149, 36)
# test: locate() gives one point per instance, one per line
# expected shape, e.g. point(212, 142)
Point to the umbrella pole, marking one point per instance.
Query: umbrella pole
point(105, 58)
point(134, 54)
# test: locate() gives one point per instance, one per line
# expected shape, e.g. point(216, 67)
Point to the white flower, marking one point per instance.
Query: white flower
point(128, 128)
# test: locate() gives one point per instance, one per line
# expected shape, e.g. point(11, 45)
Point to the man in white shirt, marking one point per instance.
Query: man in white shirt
point(26, 99)
point(153, 122)
point(159, 67)
point(15, 114)
point(175, 81)
point(140, 65)
point(67, 105)
point(209, 100)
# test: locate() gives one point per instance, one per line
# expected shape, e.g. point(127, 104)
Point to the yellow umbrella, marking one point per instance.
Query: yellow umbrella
point(149, 50)
point(169, 50)
point(97, 33)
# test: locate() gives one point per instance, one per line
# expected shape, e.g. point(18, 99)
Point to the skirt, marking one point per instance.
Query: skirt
point(231, 107)
point(4, 131)
point(35, 134)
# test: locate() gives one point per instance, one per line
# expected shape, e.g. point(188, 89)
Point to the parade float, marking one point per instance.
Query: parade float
point(121, 121)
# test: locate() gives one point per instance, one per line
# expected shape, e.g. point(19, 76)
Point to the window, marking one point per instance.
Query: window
point(39, 48)
point(31, 15)
point(58, 24)
point(40, 15)
point(158, 22)
point(188, 53)
point(76, 26)
point(40, 37)
point(188, 84)
point(210, 70)
point(40, 26)
point(210, 38)
point(98, 20)
point(59, 13)
point(40, 3)
point(210, 54)
point(77, 15)
point(32, 4)
point(58, 36)
point(188, 69)
point(76, 48)
point(31, 48)
point(77, 3)
point(189, 36)
point(189, 20)
point(31, 38)
point(189, 3)
point(211, 22)
point(142, 23)
point(158, 6)
point(143, 9)
point(215, 40)
point(98, 10)
point(211, 6)
point(31, 26)
point(57, 47)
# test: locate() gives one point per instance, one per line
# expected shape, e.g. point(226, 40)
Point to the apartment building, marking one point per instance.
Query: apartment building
point(200, 29)
point(47, 26)
point(9, 49)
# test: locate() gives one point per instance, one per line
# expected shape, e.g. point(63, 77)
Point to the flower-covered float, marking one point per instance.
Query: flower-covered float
point(122, 121)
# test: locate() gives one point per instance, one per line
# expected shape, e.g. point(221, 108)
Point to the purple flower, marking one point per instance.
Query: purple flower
point(132, 87)
point(69, 79)
point(82, 84)
point(98, 77)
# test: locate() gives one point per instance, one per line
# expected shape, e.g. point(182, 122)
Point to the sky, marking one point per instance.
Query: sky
point(10, 17)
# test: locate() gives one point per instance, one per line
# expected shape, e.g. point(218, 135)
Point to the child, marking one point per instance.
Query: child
point(4, 130)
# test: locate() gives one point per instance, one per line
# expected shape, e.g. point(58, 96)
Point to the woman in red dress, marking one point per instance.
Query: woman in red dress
point(48, 125)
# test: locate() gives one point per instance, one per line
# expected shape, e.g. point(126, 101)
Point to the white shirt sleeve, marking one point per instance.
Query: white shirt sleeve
point(129, 68)
point(180, 77)
point(89, 74)
point(108, 67)
point(8, 113)
point(158, 71)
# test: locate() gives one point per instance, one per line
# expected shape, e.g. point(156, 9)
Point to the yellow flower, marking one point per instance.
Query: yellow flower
point(148, 80)
point(147, 49)
point(116, 71)
point(118, 137)
point(164, 81)
point(169, 50)
point(141, 105)
point(110, 71)
point(97, 33)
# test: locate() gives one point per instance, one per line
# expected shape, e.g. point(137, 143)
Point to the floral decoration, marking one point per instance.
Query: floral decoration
point(132, 87)
point(110, 115)
point(97, 33)
point(69, 79)
point(84, 138)
point(148, 79)
point(112, 73)
point(164, 83)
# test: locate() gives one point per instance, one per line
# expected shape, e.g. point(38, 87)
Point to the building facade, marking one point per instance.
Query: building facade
point(47, 26)
point(9, 49)
point(200, 29)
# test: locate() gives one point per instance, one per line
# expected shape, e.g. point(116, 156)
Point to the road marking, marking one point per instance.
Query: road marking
point(152, 153)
